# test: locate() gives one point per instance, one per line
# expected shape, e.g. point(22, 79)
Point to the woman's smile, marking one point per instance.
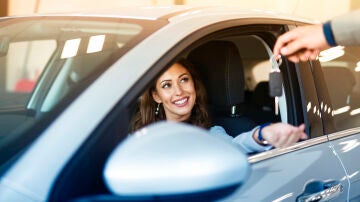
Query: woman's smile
point(181, 102)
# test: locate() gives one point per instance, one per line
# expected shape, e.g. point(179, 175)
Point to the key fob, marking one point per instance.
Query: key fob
point(275, 84)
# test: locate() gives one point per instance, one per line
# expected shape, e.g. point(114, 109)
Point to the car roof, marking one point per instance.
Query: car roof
point(180, 12)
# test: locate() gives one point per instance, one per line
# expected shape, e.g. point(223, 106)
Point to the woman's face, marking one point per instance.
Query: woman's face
point(175, 90)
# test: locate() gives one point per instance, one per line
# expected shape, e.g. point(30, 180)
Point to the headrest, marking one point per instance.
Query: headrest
point(220, 66)
point(340, 81)
point(261, 94)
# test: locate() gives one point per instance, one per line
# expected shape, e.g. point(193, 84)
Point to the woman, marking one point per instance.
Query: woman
point(178, 95)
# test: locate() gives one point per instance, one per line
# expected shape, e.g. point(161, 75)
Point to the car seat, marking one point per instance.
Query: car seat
point(220, 66)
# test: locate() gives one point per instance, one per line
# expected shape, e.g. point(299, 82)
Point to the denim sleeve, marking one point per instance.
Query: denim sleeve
point(244, 140)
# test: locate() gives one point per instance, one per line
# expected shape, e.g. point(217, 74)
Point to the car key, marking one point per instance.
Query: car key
point(275, 83)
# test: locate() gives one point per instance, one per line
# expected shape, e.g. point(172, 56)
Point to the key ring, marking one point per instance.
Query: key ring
point(277, 62)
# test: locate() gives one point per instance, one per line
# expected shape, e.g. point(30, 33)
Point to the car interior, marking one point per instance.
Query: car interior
point(236, 82)
point(237, 86)
point(344, 97)
point(220, 67)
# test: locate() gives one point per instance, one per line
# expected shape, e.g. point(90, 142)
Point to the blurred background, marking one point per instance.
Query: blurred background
point(313, 9)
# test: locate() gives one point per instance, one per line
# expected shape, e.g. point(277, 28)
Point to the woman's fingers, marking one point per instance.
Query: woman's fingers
point(283, 135)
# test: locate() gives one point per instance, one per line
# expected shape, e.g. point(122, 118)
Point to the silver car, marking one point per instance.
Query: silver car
point(70, 84)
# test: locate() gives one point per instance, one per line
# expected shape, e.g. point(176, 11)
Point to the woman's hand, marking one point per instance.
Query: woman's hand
point(282, 135)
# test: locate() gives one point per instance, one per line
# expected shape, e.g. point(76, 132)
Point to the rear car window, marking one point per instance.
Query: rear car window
point(341, 69)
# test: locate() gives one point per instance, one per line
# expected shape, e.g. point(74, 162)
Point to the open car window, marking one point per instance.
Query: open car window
point(235, 74)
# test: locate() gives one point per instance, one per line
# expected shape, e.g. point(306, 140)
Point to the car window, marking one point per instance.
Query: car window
point(22, 69)
point(45, 61)
point(238, 92)
point(257, 62)
point(298, 103)
point(341, 70)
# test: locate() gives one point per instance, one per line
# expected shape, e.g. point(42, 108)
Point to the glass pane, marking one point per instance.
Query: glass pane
point(341, 68)
point(45, 59)
point(23, 69)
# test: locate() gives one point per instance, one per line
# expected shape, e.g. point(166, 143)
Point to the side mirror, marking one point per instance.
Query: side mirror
point(172, 161)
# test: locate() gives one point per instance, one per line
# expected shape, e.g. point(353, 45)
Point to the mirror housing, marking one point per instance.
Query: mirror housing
point(169, 159)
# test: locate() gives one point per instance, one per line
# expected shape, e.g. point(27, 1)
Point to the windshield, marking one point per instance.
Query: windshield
point(45, 61)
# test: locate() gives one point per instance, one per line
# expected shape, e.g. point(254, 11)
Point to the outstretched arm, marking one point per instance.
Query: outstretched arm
point(281, 134)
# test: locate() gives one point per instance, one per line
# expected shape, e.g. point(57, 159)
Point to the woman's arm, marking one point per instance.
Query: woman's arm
point(276, 135)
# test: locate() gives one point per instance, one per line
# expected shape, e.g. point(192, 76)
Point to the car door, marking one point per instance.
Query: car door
point(342, 80)
point(308, 170)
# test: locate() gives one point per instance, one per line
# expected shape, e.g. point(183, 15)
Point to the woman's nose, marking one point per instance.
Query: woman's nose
point(178, 89)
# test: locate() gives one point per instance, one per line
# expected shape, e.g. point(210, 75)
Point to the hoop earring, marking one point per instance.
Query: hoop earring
point(157, 109)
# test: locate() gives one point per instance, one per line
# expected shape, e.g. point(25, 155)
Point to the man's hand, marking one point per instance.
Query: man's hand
point(302, 43)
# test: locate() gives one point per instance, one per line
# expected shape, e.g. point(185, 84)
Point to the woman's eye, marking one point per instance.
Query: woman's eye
point(166, 85)
point(185, 79)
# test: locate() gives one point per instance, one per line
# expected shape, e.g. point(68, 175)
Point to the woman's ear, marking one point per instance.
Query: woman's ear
point(155, 96)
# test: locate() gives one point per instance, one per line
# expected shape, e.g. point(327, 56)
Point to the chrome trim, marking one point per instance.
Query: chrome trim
point(343, 133)
point(280, 151)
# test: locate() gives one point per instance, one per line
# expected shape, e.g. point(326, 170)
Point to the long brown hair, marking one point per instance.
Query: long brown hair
point(146, 113)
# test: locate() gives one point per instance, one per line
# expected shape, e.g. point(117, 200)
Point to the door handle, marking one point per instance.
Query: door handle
point(317, 191)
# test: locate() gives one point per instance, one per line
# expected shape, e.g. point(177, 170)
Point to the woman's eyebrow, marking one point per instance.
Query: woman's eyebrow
point(166, 80)
point(183, 74)
point(169, 80)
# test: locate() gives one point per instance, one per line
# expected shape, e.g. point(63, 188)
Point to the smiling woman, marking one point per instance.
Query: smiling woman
point(175, 90)
point(180, 95)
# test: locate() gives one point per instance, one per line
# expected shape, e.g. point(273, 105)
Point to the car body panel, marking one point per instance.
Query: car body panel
point(346, 144)
point(56, 145)
point(284, 177)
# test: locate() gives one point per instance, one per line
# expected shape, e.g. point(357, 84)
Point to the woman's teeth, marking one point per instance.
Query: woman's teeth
point(179, 102)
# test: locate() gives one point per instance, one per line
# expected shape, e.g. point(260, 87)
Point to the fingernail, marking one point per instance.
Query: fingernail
point(283, 51)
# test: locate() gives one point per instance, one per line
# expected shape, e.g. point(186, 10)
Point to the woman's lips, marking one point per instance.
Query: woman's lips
point(181, 102)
